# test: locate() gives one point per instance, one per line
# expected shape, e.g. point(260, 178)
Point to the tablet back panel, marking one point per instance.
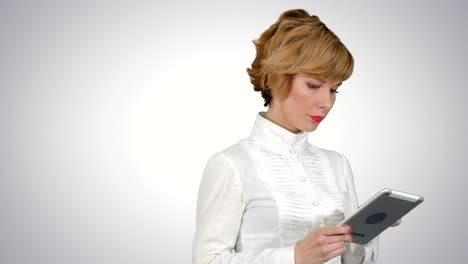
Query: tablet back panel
point(378, 214)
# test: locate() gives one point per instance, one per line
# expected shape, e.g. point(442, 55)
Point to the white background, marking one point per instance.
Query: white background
point(110, 109)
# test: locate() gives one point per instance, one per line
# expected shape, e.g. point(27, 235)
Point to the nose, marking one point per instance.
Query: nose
point(325, 98)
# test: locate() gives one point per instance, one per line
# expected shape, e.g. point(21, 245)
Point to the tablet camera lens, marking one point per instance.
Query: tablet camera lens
point(376, 218)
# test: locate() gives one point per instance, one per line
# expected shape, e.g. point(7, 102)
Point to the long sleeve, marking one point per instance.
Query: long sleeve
point(218, 219)
point(355, 253)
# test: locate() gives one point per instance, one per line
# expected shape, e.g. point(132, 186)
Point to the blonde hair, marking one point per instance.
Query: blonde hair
point(297, 43)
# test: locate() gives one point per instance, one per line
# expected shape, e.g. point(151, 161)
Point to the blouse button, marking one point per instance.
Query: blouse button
point(303, 178)
point(315, 203)
point(292, 151)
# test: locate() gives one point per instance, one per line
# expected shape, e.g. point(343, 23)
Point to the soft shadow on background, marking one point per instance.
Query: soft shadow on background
point(110, 109)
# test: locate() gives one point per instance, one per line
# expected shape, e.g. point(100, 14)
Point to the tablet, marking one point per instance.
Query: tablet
point(380, 212)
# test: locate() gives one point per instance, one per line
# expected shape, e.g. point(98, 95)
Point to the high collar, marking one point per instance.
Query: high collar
point(276, 137)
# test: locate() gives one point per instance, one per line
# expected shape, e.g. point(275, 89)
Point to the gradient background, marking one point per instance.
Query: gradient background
point(110, 109)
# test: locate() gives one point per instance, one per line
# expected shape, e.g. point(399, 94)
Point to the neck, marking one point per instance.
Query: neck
point(278, 118)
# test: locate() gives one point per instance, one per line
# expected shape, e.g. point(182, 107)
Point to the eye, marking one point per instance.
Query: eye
point(313, 86)
point(334, 91)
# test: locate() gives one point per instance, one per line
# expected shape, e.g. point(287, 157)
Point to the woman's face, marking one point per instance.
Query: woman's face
point(309, 101)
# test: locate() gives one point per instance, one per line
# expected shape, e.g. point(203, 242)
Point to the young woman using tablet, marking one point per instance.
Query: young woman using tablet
point(273, 197)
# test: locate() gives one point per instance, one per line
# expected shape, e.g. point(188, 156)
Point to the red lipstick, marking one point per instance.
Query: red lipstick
point(317, 118)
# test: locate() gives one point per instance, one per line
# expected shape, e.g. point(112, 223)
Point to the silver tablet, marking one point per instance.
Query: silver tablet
point(380, 212)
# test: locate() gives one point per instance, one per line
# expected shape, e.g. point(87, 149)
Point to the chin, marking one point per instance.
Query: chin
point(311, 128)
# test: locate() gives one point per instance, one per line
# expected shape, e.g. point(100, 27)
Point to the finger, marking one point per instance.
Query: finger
point(335, 230)
point(397, 223)
point(338, 251)
point(339, 238)
point(332, 247)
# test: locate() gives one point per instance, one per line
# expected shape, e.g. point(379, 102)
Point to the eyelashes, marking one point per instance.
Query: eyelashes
point(314, 86)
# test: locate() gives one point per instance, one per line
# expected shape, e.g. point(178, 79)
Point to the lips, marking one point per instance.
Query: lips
point(317, 118)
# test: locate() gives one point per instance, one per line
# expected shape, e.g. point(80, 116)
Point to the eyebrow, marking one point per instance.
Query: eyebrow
point(318, 79)
point(322, 82)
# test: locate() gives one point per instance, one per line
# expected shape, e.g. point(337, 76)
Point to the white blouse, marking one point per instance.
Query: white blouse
point(259, 197)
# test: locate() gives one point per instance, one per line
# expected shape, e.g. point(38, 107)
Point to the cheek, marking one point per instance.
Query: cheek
point(333, 101)
point(301, 99)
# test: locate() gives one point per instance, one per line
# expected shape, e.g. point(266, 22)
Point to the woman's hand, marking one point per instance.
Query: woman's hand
point(322, 244)
point(397, 223)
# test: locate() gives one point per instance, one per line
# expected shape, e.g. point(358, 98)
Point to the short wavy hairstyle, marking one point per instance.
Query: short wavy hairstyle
point(297, 43)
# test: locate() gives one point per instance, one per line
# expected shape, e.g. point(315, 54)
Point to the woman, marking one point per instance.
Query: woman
point(273, 197)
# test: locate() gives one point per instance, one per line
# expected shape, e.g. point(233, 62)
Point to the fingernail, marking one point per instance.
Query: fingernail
point(350, 230)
